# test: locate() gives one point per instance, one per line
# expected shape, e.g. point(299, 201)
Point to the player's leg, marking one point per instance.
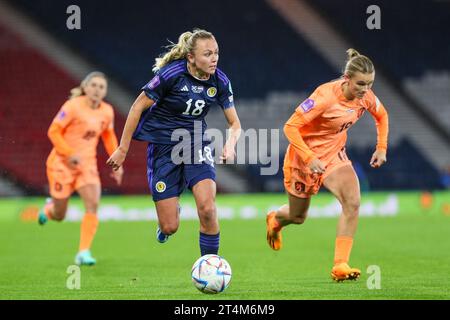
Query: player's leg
point(293, 213)
point(61, 187)
point(343, 183)
point(168, 211)
point(200, 177)
point(166, 182)
point(205, 194)
point(90, 194)
point(300, 184)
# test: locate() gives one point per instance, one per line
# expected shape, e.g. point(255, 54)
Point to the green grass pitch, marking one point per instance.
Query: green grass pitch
point(412, 252)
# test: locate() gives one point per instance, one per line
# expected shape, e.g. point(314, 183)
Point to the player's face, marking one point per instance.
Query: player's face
point(96, 89)
point(360, 83)
point(205, 56)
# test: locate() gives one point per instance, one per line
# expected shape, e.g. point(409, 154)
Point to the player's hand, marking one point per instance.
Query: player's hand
point(378, 158)
point(117, 175)
point(117, 158)
point(228, 154)
point(316, 166)
point(74, 161)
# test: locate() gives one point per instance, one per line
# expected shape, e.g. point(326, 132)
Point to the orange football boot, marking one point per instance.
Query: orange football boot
point(273, 236)
point(342, 271)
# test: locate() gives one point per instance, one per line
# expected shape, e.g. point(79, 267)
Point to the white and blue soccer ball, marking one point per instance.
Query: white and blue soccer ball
point(211, 274)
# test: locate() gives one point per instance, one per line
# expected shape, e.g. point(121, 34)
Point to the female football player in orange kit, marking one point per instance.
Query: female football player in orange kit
point(317, 133)
point(72, 164)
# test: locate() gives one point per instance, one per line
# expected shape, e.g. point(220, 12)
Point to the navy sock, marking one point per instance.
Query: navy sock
point(209, 244)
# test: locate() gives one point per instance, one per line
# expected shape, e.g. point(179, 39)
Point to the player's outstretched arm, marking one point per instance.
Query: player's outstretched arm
point(141, 104)
point(110, 141)
point(234, 127)
point(381, 118)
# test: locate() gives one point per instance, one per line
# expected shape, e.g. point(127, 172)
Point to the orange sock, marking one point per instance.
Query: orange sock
point(88, 230)
point(342, 249)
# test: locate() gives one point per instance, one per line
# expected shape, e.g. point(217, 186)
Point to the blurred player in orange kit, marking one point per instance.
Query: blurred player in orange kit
point(72, 164)
point(317, 133)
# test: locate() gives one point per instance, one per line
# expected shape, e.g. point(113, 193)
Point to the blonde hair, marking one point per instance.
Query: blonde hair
point(79, 91)
point(356, 62)
point(186, 44)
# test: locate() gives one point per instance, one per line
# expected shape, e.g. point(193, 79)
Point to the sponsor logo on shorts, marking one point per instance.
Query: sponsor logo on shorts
point(160, 186)
point(307, 105)
point(211, 92)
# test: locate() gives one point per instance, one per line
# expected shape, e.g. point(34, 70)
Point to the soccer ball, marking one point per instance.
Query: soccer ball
point(211, 274)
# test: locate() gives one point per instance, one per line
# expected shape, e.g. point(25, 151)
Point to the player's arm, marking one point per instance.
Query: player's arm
point(226, 102)
point(55, 134)
point(110, 142)
point(234, 127)
point(381, 118)
point(141, 104)
point(304, 114)
point(109, 139)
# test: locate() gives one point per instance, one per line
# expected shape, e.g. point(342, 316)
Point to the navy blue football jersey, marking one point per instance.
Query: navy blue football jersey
point(180, 100)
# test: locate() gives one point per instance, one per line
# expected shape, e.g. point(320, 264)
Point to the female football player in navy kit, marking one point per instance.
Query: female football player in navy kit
point(186, 84)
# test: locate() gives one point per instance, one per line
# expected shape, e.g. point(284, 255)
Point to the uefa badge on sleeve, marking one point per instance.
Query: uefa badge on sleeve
point(307, 105)
point(154, 82)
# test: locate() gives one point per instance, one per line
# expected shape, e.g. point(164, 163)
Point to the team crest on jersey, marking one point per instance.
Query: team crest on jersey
point(211, 92)
point(307, 105)
point(197, 89)
point(160, 186)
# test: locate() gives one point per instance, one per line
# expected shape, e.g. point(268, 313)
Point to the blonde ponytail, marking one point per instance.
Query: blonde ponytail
point(351, 53)
point(356, 62)
point(79, 91)
point(186, 44)
point(76, 92)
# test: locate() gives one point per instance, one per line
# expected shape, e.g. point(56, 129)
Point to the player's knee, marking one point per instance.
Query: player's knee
point(208, 218)
point(92, 207)
point(351, 206)
point(207, 210)
point(169, 228)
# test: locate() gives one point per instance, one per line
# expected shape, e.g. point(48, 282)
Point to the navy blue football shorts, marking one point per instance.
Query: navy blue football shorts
point(170, 170)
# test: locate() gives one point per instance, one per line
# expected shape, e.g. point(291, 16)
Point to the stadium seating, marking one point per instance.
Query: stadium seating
point(404, 24)
point(268, 63)
point(32, 91)
point(423, 71)
point(128, 48)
